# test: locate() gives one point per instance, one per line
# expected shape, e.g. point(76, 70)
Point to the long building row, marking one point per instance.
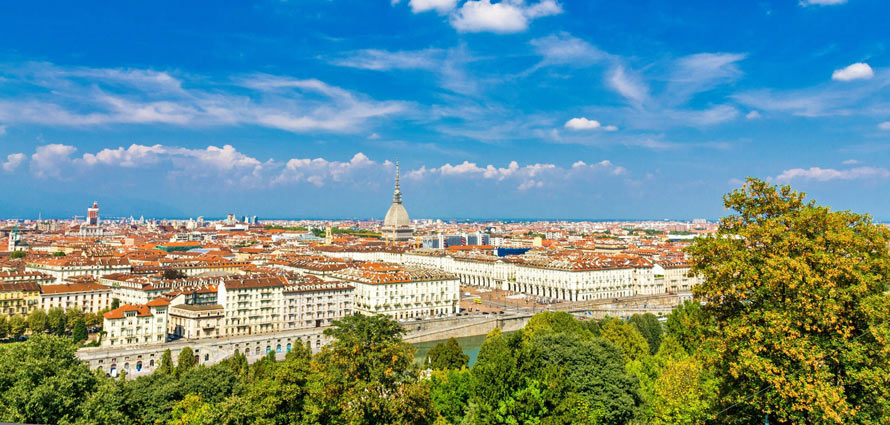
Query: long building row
point(567, 275)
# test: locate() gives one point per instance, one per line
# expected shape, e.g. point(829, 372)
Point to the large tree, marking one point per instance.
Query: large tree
point(447, 355)
point(650, 328)
point(41, 381)
point(17, 325)
point(185, 360)
point(366, 374)
point(38, 321)
point(795, 293)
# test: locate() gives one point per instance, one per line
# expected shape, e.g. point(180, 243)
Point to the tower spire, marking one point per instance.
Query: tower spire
point(397, 194)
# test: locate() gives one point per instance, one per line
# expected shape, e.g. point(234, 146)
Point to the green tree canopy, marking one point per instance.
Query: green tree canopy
point(447, 355)
point(79, 333)
point(626, 338)
point(796, 293)
point(72, 315)
point(366, 374)
point(4, 326)
point(56, 320)
point(41, 381)
point(651, 329)
point(17, 326)
point(185, 360)
point(165, 366)
point(38, 321)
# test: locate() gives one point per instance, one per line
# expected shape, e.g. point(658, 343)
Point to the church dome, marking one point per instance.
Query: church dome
point(396, 217)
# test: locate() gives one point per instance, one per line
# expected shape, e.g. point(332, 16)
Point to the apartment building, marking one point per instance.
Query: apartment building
point(89, 297)
point(403, 292)
point(136, 324)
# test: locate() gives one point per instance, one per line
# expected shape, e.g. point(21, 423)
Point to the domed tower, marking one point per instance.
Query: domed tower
point(397, 225)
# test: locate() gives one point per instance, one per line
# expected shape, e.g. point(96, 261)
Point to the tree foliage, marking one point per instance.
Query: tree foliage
point(41, 381)
point(447, 355)
point(795, 294)
point(185, 361)
point(79, 333)
point(626, 338)
point(38, 322)
point(650, 328)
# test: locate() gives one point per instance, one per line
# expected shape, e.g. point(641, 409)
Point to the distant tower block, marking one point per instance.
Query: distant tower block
point(93, 215)
point(397, 225)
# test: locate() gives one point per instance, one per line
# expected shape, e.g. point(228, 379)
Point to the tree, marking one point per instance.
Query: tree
point(367, 375)
point(549, 321)
point(56, 321)
point(447, 355)
point(79, 333)
point(107, 405)
point(4, 327)
point(192, 410)
point(115, 303)
point(38, 321)
point(795, 294)
point(185, 360)
point(41, 381)
point(17, 254)
point(592, 371)
point(58, 254)
point(626, 338)
point(165, 366)
point(17, 326)
point(686, 325)
point(92, 320)
point(651, 329)
point(683, 394)
point(72, 315)
point(450, 391)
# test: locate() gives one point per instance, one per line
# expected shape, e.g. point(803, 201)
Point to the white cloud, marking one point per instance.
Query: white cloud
point(884, 125)
point(2, 130)
point(49, 160)
point(586, 124)
point(506, 16)
point(82, 97)
point(524, 177)
point(133, 156)
point(319, 171)
point(383, 60)
point(628, 85)
point(806, 3)
point(856, 71)
point(13, 161)
point(827, 174)
point(441, 6)
point(565, 49)
point(753, 115)
point(701, 72)
point(850, 162)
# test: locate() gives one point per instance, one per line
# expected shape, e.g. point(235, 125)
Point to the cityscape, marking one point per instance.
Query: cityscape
point(445, 212)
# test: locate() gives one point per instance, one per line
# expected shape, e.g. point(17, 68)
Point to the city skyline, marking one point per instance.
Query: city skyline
point(535, 110)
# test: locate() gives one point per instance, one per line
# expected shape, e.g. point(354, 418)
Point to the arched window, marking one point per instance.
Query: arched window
point(278, 348)
point(288, 347)
point(139, 366)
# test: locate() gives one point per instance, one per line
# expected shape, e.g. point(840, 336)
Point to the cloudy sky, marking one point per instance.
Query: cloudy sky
point(524, 109)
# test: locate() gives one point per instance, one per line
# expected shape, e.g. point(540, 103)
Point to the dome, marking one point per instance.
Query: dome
point(396, 217)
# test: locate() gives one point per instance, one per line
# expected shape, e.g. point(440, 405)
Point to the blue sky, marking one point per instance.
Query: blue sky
point(550, 108)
